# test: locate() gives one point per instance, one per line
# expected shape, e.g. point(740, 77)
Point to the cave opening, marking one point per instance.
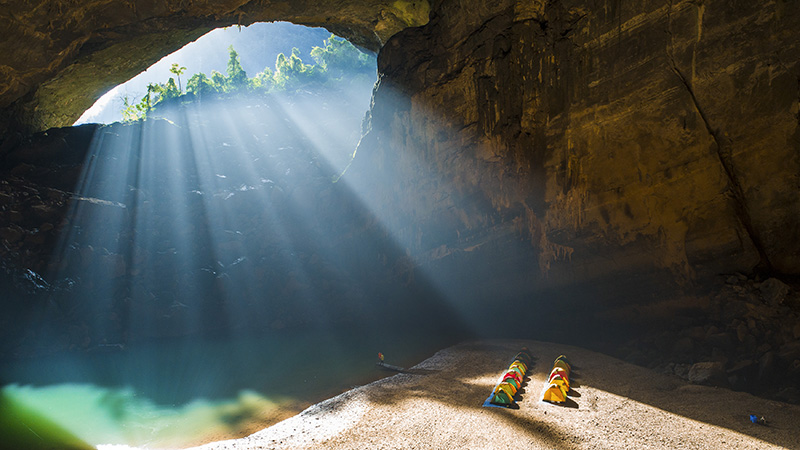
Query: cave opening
point(257, 45)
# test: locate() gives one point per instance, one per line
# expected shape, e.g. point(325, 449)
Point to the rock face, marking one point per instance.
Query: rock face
point(626, 141)
point(58, 58)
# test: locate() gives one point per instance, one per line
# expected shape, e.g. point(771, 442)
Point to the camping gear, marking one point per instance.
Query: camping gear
point(560, 374)
point(519, 364)
point(561, 364)
point(523, 356)
point(758, 420)
point(555, 394)
point(557, 389)
point(511, 382)
point(518, 371)
point(513, 374)
point(501, 399)
point(512, 377)
point(507, 388)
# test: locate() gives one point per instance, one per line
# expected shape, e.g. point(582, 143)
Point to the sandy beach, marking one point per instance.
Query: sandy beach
point(615, 405)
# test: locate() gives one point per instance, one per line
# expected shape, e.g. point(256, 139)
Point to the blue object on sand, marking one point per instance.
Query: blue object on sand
point(753, 418)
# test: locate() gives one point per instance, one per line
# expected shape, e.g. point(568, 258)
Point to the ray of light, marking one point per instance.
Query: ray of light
point(223, 219)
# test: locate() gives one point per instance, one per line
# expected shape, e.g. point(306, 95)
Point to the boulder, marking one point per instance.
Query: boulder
point(709, 374)
point(774, 291)
point(11, 234)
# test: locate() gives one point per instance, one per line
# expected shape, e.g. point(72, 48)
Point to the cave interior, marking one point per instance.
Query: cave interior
point(623, 176)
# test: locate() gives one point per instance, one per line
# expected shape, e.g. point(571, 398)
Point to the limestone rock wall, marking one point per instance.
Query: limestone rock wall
point(622, 141)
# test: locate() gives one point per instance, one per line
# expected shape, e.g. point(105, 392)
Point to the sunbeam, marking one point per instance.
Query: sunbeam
point(376, 202)
point(210, 252)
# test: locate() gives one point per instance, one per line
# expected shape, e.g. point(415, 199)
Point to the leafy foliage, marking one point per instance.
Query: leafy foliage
point(237, 77)
point(339, 57)
point(336, 62)
point(178, 71)
point(200, 85)
point(292, 73)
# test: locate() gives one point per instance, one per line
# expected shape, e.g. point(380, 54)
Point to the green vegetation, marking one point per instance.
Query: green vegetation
point(336, 63)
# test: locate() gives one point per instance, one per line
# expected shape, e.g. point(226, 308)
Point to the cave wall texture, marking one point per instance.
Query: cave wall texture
point(627, 140)
point(519, 145)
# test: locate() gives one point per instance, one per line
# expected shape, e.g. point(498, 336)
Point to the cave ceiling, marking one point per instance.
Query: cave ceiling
point(58, 57)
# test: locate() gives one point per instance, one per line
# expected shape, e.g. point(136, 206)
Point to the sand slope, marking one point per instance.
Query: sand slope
point(620, 406)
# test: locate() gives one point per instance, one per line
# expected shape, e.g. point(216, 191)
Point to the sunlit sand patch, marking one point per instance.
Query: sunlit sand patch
point(488, 380)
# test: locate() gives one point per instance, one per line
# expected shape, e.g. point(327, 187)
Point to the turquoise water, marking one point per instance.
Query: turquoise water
point(181, 393)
